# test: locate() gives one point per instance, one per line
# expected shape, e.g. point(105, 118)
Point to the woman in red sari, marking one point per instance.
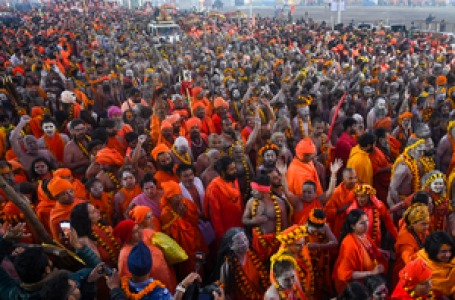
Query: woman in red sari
point(359, 257)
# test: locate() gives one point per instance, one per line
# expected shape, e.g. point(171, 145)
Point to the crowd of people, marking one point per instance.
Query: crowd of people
point(246, 160)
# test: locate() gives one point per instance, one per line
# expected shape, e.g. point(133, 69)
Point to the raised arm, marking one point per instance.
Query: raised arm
point(334, 168)
point(15, 137)
point(254, 134)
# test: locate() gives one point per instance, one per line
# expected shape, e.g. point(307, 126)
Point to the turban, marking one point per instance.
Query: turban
point(63, 172)
point(199, 104)
point(404, 116)
point(384, 123)
point(37, 111)
point(124, 230)
point(140, 260)
point(18, 70)
point(192, 122)
point(196, 91)
point(173, 118)
point(165, 124)
point(113, 110)
point(58, 185)
point(305, 146)
point(441, 80)
point(220, 102)
point(138, 213)
point(416, 213)
point(68, 97)
point(171, 188)
point(158, 150)
point(181, 112)
point(414, 273)
point(109, 156)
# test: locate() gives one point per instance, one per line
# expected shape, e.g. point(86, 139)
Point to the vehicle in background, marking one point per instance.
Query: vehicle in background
point(164, 29)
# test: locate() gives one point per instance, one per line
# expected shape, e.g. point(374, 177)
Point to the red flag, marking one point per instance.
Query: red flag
point(293, 8)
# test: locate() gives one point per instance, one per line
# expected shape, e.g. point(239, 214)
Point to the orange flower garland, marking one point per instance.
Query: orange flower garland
point(148, 289)
point(114, 179)
point(112, 254)
point(79, 144)
point(186, 160)
point(302, 130)
point(427, 163)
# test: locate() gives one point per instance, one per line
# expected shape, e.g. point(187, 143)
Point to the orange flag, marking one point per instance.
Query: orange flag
point(293, 8)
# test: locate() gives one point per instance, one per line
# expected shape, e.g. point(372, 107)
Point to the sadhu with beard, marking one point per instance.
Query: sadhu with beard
point(162, 156)
point(197, 141)
point(115, 114)
point(76, 156)
point(114, 141)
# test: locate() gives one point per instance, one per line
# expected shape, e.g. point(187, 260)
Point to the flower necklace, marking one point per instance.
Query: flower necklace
point(245, 167)
point(302, 276)
point(375, 224)
point(427, 163)
point(243, 282)
point(237, 109)
point(283, 294)
point(148, 289)
point(277, 226)
point(12, 219)
point(71, 117)
point(114, 179)
point(186, 160)
point(104, 210)
point(315, 255)
point(288, 132)
point(82, 146)
point(302, 130)
point(414, 296)
point(426, 113)
point(412, 164)
point(112, 254)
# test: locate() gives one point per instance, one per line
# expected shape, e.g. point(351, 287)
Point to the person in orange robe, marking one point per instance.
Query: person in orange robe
point(223, 204)
point(198, 97)
point(207, 125)
point(35, 122)
point(62, 191)
point(235, 248)
point(165, 137)
point(126, 194)
point(143, 215)
point(359, 158)
point(382, 169)
point(56, 144)
point(78, 187)
point(179, 220)
point(359, 257)
point(335, 208)
point(411, 237)
point(363, 198)
point(114, 141)
point(221, 111)
point(302, 168)
point(162, 156)
point(293, 241)
point(131, 233)
point(45, 205)
point(101, 200)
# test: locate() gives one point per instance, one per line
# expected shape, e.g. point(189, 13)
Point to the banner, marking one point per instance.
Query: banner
point(335, 5)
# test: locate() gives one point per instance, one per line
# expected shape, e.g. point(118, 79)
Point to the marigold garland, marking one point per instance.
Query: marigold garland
point(112, 254)
point(79, 144)
point(283, 295)
point(427, 163)
point(71, 116)
point(148, 289)
point(412, 164)
point(413, 295)
point(277, 223)
point(114, 179)
point(315, 255)
point(302, 130)
point(245, 167)
point(186, 160)
point(242, 281)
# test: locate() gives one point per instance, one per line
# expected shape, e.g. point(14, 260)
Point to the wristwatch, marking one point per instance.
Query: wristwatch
point(181, 288)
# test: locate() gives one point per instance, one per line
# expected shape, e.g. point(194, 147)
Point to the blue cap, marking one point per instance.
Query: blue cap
point(140, 260)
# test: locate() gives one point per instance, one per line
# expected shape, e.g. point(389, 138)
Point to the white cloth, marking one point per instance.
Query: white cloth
point(205, 227)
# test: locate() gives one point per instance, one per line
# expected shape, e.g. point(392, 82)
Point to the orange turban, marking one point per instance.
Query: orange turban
point(441, 80)
point(196, 91)
point(193, 122)
point(165, 124)
point(305, 146)
point(158, 150)
point(37, 111)
point(63, 172)
point(58, 185)
point(384, 123)
point(198, 104)
point(181, 112)
point(138, 213)
point(413, 273)
point(173, 118)
point(109, 156)
point(171, 188)
point(404, 116)
point(220, 102)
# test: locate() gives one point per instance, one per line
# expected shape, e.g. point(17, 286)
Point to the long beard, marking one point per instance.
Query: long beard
point(381, 113)
point(106, 88)
point(230, 177)
point(118, 124)
point(169, 168)
point(269, 163)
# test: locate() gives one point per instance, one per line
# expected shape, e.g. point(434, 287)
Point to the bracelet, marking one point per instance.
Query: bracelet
point(180, 288)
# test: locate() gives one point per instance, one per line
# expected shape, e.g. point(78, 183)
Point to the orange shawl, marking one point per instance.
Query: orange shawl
point(162, 176)
point(114, 143)
point(55, 145)
point(129, 195)
point(227, 190)
point(58, 213)
point(300, 172)
point(104, 205)
point(339, 199)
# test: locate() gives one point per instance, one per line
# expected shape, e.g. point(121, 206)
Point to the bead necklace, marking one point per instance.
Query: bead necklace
point(83, 149)
point(283, 294)
point(302, 130)
point(277, 226)
point(148, 289)
point(112, 254)
point(413, 295)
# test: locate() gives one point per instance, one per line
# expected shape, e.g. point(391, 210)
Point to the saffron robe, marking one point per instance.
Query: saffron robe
point(224, 207)
point(443, 274)
point(300, 172)
point(359, 160)
point(339, 199)
point(44, 207)
point(128, 196)
point(104, 205)
point(55, 145)
point(301, 217)
point(58, 213)
point(162, 176)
